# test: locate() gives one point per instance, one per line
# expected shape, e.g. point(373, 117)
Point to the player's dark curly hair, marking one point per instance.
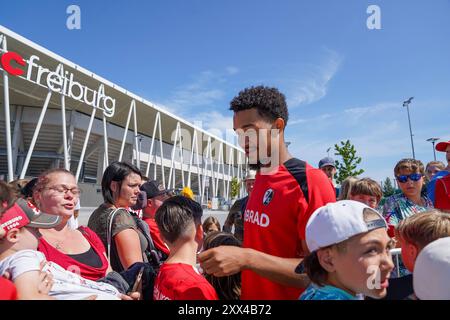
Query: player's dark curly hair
point(270, 103)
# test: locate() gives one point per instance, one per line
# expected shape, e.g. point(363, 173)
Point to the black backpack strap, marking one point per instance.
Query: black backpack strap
point(297, 168)
point(154, 253)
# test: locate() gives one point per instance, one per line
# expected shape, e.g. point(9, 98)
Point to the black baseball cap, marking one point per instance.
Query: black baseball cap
point(153, 189)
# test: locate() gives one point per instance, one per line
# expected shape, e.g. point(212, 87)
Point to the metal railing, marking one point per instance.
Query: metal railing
point(397, 252)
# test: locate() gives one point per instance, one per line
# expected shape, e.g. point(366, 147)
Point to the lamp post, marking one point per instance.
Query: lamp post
point(433, 141)
point(406, 104)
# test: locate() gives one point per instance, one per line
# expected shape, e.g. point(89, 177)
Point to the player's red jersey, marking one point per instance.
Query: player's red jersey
point(179, 281)
point(275, 220)
point(442, 193)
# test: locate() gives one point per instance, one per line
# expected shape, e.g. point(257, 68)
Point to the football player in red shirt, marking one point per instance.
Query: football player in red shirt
point(285, 194)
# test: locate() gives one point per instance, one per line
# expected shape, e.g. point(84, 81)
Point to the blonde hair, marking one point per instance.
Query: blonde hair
point(438, 164)
point(424, 228)
point(367, 186)
point(346, 187)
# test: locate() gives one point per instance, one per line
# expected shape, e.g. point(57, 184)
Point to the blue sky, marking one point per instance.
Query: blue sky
point(342, 80)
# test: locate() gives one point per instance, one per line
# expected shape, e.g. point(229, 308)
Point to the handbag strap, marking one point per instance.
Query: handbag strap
point(146, 233)
point(109, 229)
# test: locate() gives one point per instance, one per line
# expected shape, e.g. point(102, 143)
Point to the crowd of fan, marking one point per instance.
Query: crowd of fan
point(291, 239)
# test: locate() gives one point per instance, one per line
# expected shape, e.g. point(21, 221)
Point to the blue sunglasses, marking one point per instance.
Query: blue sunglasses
point(413, 177)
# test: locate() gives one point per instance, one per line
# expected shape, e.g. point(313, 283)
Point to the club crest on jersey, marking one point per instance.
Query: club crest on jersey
point(268, 196)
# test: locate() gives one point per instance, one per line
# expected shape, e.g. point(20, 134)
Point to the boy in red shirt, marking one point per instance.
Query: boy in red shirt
point(179, 221)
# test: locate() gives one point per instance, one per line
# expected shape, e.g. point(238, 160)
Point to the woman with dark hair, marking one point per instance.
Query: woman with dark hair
point(125, 242)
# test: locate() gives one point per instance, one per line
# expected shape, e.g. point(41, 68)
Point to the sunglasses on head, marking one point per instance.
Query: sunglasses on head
point(413, 177)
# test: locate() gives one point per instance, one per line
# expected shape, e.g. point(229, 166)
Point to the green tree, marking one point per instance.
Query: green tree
point(388, 188)
point(235, 187)
point(350, 162)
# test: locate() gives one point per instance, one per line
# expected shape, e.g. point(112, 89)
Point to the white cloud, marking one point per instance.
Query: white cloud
point(231, 70)
point(356, 114)
point(311, 120)
point(200, 92)
point(216, 123)
point(314, 88)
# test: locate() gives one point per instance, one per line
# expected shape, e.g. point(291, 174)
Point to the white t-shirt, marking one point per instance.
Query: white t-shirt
point(66, 286)
point(73, 222)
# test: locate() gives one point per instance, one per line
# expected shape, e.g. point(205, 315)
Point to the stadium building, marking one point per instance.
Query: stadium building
point(55, 113)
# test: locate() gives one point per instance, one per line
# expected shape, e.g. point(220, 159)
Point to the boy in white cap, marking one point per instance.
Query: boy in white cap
point(433, 260)
point(350, 255)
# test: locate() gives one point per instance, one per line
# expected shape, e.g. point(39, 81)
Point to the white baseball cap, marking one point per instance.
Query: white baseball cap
point(251, 175)
point(431, 276)
point(339, 221)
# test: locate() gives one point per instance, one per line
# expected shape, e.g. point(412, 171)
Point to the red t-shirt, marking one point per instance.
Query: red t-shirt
point(442, 193)
point(156, 236)
point(68, 263)
point(7, 290)
point(179, 281)
point(275, 220)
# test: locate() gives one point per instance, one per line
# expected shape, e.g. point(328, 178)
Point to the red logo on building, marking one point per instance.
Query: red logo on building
point(6, 61)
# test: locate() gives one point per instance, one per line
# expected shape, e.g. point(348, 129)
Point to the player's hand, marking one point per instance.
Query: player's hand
point(223, 261)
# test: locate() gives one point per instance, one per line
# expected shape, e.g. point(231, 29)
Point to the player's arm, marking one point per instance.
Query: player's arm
point(227, 260)
point(276, 269)
point(27, 285)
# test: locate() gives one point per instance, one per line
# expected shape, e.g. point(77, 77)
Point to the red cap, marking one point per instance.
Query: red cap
point(23, 214)
point(14, 218)
point(442, 146)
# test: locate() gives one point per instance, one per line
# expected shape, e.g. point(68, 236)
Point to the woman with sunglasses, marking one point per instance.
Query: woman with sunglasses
point(409, 174)
point(81, 251)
